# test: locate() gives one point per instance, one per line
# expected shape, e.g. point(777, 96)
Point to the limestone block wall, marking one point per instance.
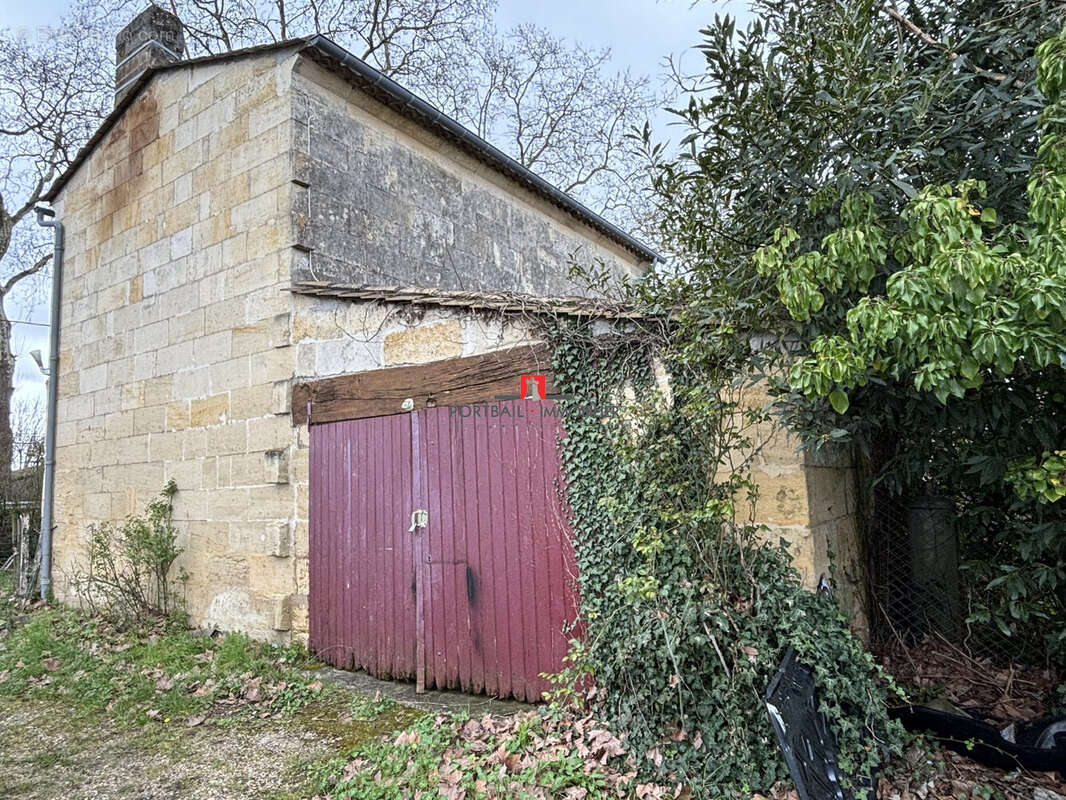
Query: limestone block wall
point(175, 353)
point(836, 525)
point(812, 502)
point(387, 203)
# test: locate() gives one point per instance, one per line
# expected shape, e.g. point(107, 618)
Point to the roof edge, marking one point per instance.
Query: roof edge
point(392, 93)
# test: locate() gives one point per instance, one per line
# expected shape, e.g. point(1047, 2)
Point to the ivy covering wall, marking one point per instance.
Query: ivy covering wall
point(686, 610)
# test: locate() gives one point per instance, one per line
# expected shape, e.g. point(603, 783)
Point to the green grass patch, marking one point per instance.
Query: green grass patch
point(7, 598)
point(162, 674)
point(366, 707)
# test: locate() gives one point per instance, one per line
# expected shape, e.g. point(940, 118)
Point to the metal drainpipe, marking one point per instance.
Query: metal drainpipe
point(46, 219)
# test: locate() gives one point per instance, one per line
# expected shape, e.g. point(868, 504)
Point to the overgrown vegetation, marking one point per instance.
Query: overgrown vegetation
point(972, 309)
point(687, 609)
point(166, 675)
point(838, 134)
point(126, 576)
point(809, 134)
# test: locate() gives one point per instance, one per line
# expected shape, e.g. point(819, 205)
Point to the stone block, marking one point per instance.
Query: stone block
point(151, 337)
point(225, 439)
point(303, 583)
point(186, 474)
point(165, 446)
point(272, 365)
point(251, 401)
point(268, 502)
point(187, 326)
point(261, 335)
point(118, 424)
point(260, 538)
point(177, 415)
point(269, 433)
point(246, 469)
point(92, 379)
point(212, 348)
point(208, 410)
point(151, 419)
point(782, 498)
point(421, 344)
point(279, 535)
point(189, 384)
point(299, 466)
point(276, 466)
point(230, 375)
point(281, 397)
point(282, 614)
point(300, 540)
point(342, 356)
point(827, 492)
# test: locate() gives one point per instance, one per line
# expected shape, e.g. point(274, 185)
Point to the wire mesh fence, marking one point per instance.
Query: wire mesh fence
point(919, 584)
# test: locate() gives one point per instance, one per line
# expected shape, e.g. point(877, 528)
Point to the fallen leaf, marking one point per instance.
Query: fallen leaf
point(407, 738)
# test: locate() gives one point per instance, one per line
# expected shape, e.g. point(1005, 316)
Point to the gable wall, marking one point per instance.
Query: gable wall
point(175, 357)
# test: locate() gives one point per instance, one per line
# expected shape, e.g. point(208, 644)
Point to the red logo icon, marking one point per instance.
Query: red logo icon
point(540, 385)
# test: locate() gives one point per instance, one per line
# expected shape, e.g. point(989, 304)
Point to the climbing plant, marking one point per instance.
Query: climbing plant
point(687, 606)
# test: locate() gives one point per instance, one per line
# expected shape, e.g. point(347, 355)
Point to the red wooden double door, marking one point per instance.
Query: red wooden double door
point(440, 547)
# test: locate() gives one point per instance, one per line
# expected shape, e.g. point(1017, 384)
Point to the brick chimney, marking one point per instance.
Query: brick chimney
point(153, 38)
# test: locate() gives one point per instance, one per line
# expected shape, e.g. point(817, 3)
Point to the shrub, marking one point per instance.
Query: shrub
point(127, 573)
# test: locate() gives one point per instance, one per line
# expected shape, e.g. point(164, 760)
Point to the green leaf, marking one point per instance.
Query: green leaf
point(839, 400)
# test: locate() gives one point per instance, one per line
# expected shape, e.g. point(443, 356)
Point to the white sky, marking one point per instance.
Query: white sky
point(640, 34)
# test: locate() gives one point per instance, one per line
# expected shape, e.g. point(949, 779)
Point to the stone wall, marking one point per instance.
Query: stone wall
point(180, 339)
point(811, 502)
point(175, 358)
point(389, 204)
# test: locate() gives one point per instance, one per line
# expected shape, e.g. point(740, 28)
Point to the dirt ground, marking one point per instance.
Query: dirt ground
point(47, 754)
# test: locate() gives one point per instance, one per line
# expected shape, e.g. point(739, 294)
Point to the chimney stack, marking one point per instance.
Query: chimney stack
point(152, 39)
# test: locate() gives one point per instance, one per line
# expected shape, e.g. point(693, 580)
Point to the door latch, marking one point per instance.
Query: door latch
point(419, 519)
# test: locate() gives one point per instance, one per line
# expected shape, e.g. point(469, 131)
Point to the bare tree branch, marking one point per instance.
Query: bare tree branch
point(33, 269)
point(925, 37)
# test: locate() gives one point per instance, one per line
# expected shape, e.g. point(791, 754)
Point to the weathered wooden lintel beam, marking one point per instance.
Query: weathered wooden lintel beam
point(450, 382)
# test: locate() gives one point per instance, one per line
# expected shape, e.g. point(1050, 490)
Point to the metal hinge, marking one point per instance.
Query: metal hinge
point(419, 519)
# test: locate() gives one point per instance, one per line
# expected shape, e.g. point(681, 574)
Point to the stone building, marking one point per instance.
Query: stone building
point(248, 225)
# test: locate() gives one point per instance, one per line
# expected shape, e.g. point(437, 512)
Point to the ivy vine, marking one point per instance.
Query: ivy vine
point(686, 608)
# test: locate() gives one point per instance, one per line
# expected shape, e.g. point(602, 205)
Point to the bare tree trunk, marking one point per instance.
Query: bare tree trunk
point(7, 374)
